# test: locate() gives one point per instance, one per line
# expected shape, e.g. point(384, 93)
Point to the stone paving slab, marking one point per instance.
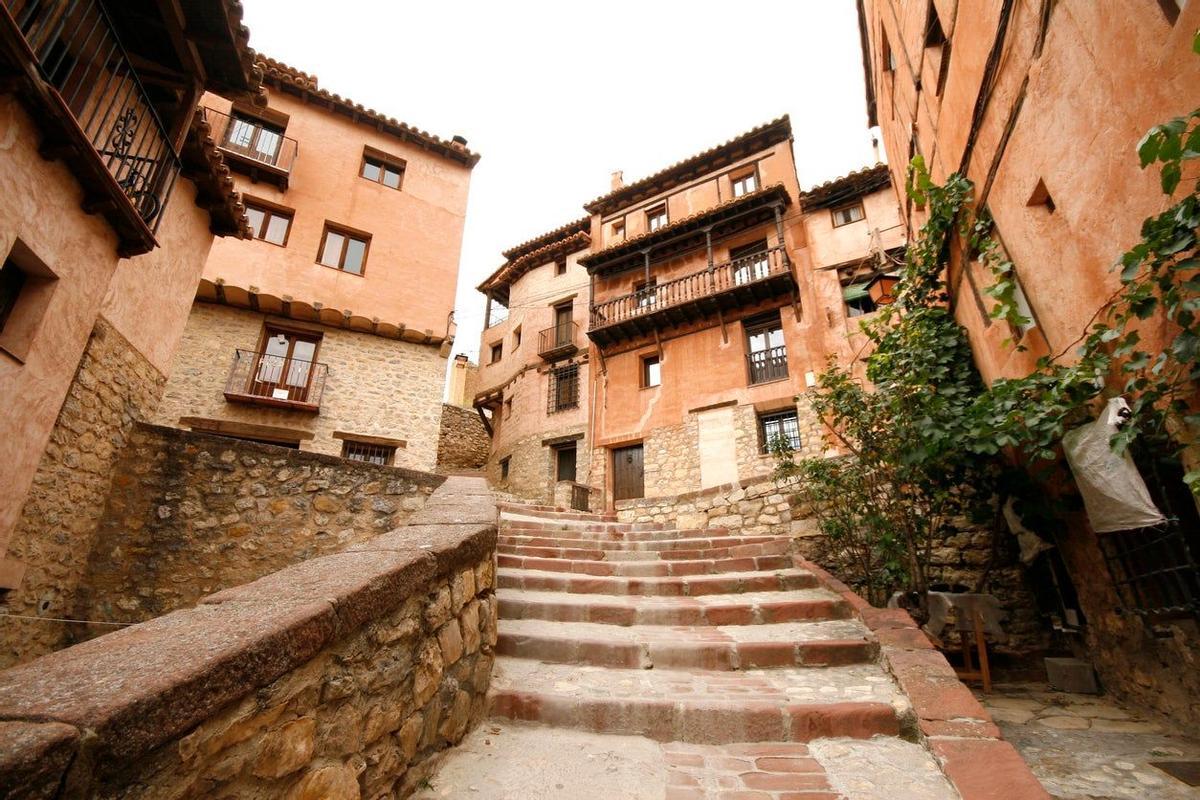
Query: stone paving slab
point(882, 768)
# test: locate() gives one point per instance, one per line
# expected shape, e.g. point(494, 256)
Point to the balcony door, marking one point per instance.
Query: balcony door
point(749, 262)
point(285, 365)
point(765, 347)
point(254, 138)
point(562, 324)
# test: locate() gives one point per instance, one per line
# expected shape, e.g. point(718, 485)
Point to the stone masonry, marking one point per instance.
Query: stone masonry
point(114, 387)
point(189, 514)
point(463, 442)
point(340, 678)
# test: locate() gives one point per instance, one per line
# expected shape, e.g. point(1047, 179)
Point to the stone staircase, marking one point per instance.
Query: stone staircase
point(711, 649)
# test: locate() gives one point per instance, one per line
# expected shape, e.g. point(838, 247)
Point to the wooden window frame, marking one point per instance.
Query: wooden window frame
point(559, 449)
point(833, 212)
point(293, 333)
point(260, 124)
point(560, 266)
point(618, 229)
point(516, 334)
point(653, 213)
point(644, 370)
point(496, 352)
point(383, 161)
point(269, 212)
point(739, 175)
point(764, 446)
point(347, 234)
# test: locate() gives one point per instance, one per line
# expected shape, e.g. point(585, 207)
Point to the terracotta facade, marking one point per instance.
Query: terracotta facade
point(1041, 106)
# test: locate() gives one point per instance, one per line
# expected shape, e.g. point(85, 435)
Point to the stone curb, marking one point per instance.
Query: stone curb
point(951, 723)
point(100, 706)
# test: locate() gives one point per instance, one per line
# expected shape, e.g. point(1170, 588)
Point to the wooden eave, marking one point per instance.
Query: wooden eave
point(847, 188)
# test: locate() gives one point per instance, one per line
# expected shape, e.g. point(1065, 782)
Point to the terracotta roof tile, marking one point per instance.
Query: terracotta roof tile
point(512, 269)
point(777, 130)
point(583, 224)
point(303, 82)
point(847, 187)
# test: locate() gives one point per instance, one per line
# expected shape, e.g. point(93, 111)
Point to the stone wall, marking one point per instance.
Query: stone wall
point(189, 514)
point(113, 387)
point(463, 442)
point(764, 506)
point(342, 677)
point(532, 462)
point(375, 386)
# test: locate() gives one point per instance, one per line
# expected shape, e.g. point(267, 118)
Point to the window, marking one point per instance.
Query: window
point(618, 229)
point(381, 454)
point(344, 250)
point(386, 170)
point(651, 372)
point(889, 58)
point(745, 183)
point(656, 217)
point(565, 457)
point(936, 42)
point(497, 352)
point(749, 262)
point(1171, 9)
point(1041, 197)
point(560, 266)
point(847, 214)
point(516, 337)
point(12, 281)
point(504, 462)
point(254, 138)
point(858, 300)
point(268, 224)
point(284, 365)
point(767, 354)
point(564, 389)
point(508, 408)
point(26, 287)
point(779, 429)
point(645, 292)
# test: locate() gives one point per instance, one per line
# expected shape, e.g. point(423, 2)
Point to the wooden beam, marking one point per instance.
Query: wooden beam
point(487, 424)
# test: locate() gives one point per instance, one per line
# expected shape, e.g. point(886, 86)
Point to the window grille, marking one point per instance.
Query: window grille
point(370, 453)
point(564, 389)
point(783, 425)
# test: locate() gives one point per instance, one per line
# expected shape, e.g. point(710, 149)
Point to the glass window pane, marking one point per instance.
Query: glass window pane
point(241, 133)
point(370, 170)
point(268, 145)
point(356, 252)
point(277, 229)
point(653, 372)
point(391, 178)
point(751, 183)
point(256, 216)
point(332, 251)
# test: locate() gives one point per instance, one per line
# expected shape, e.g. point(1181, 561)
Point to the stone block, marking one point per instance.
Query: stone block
point(1071, 675)
point(286, 749)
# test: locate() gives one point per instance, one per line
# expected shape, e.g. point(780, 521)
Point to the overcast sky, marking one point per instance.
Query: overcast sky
point(557, 95)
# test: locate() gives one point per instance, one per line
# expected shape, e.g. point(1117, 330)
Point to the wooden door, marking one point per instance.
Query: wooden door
point(628, 476)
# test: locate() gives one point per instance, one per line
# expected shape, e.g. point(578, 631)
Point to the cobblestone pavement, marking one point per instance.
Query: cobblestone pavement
point(1084, 747)
point(635, 661)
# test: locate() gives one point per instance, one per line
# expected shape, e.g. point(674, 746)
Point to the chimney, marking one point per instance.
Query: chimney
point(461, 360)
point(618, 180)
point(459, 142)
point(875, 148)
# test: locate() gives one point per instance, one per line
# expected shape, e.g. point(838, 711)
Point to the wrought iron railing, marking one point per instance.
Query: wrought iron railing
point(560, 337)
point(79, 54)
point(276, 380)
point(1155, 573)
point(768, 365)
point(704, 283)
point(252, 140)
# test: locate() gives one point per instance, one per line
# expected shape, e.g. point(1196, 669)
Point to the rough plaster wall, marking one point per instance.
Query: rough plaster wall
point(375, 386)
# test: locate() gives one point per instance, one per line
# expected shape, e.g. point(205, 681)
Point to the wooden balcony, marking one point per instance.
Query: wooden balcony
point(558, 342)
point(733, 284)
point(253, 148)
point(266, 379)
point(77, 79)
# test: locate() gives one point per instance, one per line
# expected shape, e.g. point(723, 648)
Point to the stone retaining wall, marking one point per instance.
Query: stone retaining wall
point(341, 677)
point(463, 442)
point(763, 506)
point(189, 514)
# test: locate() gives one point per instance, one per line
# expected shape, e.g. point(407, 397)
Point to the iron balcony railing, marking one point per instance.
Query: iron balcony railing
point(269, 379)
point(704, 283)
point(79, 55)
point(252, 140)
point(768, 365)
point(559, 339)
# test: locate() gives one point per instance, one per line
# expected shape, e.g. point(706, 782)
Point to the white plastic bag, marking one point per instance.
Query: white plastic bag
point(1114, 493)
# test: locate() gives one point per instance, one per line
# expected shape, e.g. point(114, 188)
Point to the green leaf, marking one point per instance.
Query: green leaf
point(1171, 175)
point(1148, 147)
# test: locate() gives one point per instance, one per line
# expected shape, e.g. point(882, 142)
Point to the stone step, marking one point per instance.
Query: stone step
point(792, 704)
point(726, 647)
point(687, 549)
point(749, 608)
point(552, 512)
point(673, 586)
point(594, 553)
point(566, 523)
point(614, 534)
point(646, 569)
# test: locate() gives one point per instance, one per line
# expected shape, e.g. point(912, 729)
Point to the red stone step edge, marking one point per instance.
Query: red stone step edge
point(645, 569)
point(676, 586)
point(633, 556)
point(683, 611)
point(682, 654)
point(951, 723)
point(662, 541)
point(555, 512)
point(699, 721)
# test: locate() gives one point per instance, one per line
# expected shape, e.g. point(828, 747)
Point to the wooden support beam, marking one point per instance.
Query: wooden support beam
point(487, 424)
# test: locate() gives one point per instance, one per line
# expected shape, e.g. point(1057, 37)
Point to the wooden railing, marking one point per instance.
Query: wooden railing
point(558, 338)
point(768, 365)
point(79, 55)
point(252, 141)
point(271, 379)
point(704, 283)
